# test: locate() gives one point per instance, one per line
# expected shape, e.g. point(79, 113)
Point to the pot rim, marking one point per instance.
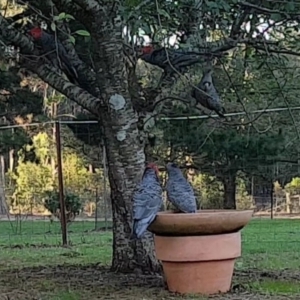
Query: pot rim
point(204, 222)
point(203, 212)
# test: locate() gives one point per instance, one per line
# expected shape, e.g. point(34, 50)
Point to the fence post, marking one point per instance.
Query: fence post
point(272, 200)
point(104, 187)
point(61, 186)
point(96, 209)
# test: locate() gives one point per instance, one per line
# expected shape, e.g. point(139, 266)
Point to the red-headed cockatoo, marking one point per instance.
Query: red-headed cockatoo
point(179, 191)
point(147, 201)
point(175, 59)
point(55, 52)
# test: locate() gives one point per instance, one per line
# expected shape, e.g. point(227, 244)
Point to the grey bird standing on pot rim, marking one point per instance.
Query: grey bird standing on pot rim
point(211, 98)
point(147, 201)
point(179, 191)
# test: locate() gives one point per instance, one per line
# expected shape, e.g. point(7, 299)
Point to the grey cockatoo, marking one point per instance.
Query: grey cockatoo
point(211, 99)
point(170, 60)
point(178, 58)
point(179, 191)
point(147, 201)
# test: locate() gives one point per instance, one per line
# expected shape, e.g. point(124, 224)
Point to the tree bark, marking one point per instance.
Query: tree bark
point(125, 168)
point(3, 204)
point(229, 183)
point(125, 150)
point(126, 162)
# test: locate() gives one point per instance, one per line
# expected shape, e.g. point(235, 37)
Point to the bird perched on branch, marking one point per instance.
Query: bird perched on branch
point(55, 52)
point(170, 60)
point(179, 191)
point(147, 200)
point(210, 98)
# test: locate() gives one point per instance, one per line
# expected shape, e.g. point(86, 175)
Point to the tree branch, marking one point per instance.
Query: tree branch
point(238, 22)
point(191, 24)
point(87, 77)
point(78, 95)
point(75, 10)
point(20, 16)
point(267, 10)
point(90, 6)
point(217, 47)
point(73, 92)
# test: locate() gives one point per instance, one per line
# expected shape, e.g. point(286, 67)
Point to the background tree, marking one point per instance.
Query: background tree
point(108, 85)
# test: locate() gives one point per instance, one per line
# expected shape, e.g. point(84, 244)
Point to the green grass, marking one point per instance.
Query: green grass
point(66, 296)
point(39, 244)
point(269, 246)
point(276, 287)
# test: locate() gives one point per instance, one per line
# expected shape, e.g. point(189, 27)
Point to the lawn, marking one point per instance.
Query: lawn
point(34, 266)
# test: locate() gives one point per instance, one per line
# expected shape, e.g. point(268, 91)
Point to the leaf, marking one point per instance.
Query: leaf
point(72, 39)
point(82, 32)
point(164, 13)
point(290, 6)
point(62, 16)
point(53, 26)
point(70, 17)
point(275, 17)
point(211, 4)
point(146, 28)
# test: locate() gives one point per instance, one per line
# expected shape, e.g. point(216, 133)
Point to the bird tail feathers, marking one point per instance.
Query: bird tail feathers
point(139, 228)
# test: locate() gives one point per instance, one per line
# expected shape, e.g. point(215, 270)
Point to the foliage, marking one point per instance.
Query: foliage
point(210, 190)
point(294, 186)
point(18, 105)
point(252, 70)
point(72, 202)
point(251, 47)
point(31, 179)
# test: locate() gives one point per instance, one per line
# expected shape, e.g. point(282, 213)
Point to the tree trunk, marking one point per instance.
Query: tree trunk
point(288, 202)
point(126, 162)
point(11, 160)
point(3, 205)
point(128, 255)
point(125, 151)
point(126, 159)
point(229, 191)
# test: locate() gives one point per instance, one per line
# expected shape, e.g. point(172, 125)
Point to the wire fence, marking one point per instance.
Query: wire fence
point(29, 169)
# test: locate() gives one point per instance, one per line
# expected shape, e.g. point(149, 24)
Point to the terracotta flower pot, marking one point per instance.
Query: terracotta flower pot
point(198, 251)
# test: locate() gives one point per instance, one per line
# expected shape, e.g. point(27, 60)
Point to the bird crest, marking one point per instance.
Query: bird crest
point(36, 32)
point(147, 49)
point(152, 166)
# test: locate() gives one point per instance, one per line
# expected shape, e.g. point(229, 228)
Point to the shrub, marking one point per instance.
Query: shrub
point(72, 202)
